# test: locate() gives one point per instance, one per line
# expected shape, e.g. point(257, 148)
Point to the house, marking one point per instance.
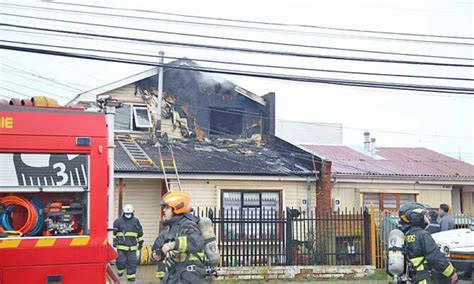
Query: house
point(390, 177)
point(222, 137)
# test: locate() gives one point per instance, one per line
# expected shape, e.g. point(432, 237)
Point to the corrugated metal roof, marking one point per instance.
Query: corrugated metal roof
point(392, 161)
point(219, 156)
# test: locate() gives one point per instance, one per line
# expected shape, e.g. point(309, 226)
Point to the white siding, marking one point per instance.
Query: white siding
point(144, 195)
point(350, 193)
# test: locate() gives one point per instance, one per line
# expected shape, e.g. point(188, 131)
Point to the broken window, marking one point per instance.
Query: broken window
point(132, 118)
point(225, 121)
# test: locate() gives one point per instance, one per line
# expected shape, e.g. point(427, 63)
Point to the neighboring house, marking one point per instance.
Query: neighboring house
point(390, 177)
point(222, 137)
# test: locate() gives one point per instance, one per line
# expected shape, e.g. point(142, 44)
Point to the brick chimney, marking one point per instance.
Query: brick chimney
point(323, 188)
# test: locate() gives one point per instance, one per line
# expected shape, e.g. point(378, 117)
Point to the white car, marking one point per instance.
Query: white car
point(458, 246)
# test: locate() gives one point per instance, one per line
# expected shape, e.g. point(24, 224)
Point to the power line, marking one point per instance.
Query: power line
point(246, 50)
point(237, 39)
point(42, 77)
point(13, 91)
point(213, 25)
point(38, 90)
point(245, 64)
point(354, 83)
point(263, 23)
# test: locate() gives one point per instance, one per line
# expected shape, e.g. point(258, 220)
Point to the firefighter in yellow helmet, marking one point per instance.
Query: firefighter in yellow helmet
point(180, 247)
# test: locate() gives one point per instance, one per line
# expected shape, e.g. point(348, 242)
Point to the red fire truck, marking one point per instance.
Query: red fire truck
point(53, 194)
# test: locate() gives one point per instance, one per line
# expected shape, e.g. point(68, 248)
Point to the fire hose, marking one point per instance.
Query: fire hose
point(33, 211)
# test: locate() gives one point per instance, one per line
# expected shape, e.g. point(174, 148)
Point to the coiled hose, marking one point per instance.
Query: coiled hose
point(32, 213)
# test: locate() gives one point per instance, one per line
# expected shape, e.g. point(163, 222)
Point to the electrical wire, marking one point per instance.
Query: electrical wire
point(354, 83)
point(260, 22)
point(214, 25)
point(238, 49)
point(243, 63)
point(235, 39)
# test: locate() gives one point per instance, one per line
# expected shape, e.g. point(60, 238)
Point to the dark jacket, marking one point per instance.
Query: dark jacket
point(434, 227)
point(424, 255)
point(184, 231)
point(128, 234)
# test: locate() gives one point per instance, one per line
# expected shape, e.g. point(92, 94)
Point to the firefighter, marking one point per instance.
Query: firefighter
point(128, 239)
point(422, 253)
point(180, 246)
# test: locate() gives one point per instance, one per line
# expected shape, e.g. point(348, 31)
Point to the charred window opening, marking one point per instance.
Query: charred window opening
point(225, 121)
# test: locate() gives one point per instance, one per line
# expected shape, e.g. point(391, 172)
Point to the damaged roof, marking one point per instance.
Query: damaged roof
point(217, 156)
point(392, 161)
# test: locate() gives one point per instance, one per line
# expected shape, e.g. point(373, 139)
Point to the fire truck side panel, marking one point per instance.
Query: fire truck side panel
point(70, 274)
point(75, 258)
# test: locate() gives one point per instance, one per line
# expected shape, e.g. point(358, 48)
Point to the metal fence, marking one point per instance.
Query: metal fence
point(263, 237)
point(386, 221)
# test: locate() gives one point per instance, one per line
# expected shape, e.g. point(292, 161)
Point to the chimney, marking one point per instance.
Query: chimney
point(367, 141)
point(372, 147)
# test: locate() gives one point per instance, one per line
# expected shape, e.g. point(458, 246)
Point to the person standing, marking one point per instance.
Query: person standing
point(180, 246)
point(128, 238)
point(446, 222)
point(424, 257)
point(434, 225)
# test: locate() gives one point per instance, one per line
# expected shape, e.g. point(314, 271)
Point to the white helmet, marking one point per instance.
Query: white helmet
point(128, 208)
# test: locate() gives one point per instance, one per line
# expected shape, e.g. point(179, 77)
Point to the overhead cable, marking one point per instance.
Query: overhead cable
point(243, 63)
point(259, 22)
point(214, 25)
point(354, 83)
point(246, 50)
point(237, 39)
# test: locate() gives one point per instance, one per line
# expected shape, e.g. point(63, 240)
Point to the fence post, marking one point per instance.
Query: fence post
point(367, 259)
point(373, 252)
point(289, 236)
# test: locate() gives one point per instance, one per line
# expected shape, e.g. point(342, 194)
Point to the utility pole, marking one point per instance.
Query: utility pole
point(159, 95)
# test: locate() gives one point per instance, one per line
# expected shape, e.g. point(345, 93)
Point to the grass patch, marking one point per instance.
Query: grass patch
point(379, 274)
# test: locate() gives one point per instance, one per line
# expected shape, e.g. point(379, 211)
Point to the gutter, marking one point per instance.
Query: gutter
point(144, 175)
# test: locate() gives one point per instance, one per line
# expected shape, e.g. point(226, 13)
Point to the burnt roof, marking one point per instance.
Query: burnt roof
point(219, 155)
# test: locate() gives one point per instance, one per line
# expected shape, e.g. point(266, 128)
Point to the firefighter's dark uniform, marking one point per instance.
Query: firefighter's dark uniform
point(425, 257)
point(189, 266)
point(128, 238)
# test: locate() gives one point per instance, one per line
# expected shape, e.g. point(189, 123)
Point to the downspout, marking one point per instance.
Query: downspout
point(110, 106)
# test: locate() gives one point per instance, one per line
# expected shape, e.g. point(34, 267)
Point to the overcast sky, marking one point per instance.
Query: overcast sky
point(441, 122)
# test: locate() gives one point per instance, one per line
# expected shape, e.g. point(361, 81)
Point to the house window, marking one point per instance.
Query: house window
point(250, 215)
point(388, 201)
point(132, 118)
point(225, 121)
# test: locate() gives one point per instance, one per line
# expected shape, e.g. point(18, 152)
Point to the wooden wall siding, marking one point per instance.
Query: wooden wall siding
point(350, 193)
point(205, 193)
point(126, 94)
point(468, 203)
point(144, 195)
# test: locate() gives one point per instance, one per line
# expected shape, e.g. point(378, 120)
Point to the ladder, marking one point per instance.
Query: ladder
point(135, 152)
point(168, 166)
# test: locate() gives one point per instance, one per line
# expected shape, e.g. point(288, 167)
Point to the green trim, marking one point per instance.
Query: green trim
point(182, 243)
point(449, 270)
point(131, 234)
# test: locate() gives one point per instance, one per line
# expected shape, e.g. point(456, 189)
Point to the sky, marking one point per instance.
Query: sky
point(441, 122)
